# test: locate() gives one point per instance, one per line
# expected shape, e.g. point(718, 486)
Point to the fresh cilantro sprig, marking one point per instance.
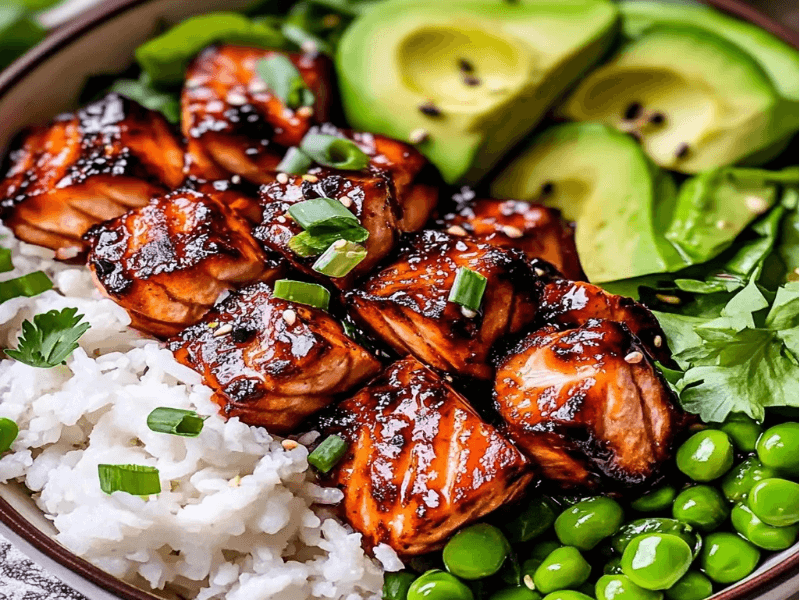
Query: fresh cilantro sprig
point(50, 339)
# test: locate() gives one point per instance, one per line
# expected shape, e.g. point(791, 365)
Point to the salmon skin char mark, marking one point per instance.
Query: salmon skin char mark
point(84, 168)
point(573, 303)
point(538, 231)
point(588, 406)
point(272, 362)
point(367, 196)
point(233, 123)
point(406, 304)
point(420, 462)
point(167, 263)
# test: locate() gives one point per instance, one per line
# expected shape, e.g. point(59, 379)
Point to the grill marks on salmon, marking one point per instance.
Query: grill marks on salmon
point(587, 405)
point(84, 168)
point(271, 362)
point(406, 304)
point(234, 123)
point(420, 462)
point(167, 262)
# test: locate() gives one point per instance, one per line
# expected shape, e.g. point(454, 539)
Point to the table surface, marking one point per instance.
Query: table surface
point(21, 578)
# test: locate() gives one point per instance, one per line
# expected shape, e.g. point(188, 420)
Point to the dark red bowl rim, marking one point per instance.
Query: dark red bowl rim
point(63, 37)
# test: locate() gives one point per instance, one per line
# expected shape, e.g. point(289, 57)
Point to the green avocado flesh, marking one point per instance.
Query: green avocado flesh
point(601, 179)
point(483, 72)
point(695, 100)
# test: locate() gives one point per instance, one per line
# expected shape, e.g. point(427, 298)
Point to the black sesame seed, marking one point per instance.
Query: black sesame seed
point(682, 151)
point(241, 335)
point(471, 81)
point(658, 118)
point(430, 109)
point(633, 111)
point(465, 65)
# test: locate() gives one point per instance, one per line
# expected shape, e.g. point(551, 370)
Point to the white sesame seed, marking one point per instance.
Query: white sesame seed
point(304, 111)
point(528, 581)
point(658, 341)
point(236, 179)
point(634, 358)
point(538, 271)
point(309, 47)
point(227, 328)
point(235, 99)
point(512, 232)
point(346, 202)
point(456, 230)
point(282, 178)
point(469, 313)
point(193, 83)
point(289, 444)
point(417, 136)
point(257, 86)
point(339, 244)
point(310, 178)
point(756, 204)
point(281, 219)
point(289, 316)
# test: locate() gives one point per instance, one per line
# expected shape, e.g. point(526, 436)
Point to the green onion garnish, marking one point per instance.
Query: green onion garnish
point(468, 289)
point(5, 260)
point(328, 453)
point(335, 152)
point(308, 244)
point(284, 81)
point(175, 421)
point(294, 162)
point(322, 213)
point(28, 285)
point(8, 433)
point(340, 258)
point(301, 292)
point(136, 480)
point(303, 38)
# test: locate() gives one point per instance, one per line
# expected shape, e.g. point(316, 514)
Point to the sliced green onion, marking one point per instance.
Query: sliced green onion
point(307, 243)
point(340, 258)
point(468, 289)
point(28, 285)
point(301, 292)
point(335, 152)
point(284, 81)
point(303, 38)
point(328, 453)
point(136, 480)
point(294, 162)
point(8, 433)
point(5, 261)
point(175, 421)
point(322, 212)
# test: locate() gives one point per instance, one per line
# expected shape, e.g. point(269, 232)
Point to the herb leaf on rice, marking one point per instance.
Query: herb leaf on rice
point(50, 339)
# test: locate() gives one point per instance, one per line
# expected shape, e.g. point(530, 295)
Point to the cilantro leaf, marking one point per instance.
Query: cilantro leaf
point(50, 339)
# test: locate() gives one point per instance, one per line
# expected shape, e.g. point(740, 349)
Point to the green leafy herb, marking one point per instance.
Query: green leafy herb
point(142, 92)
point(28, 285)
point(284, 81)
point(50, 339)
point(175, 421)
point(334, 152)
point(137, 480)
point(325, 221)
point(313, 243)
point(8, 433)
point(303, 38)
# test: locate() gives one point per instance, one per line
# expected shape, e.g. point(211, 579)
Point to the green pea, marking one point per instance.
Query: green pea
point(655, 501)
point(613, 566)
point(775, 501)
point(533, 520)
point(564, 568)
point(543, 549)
point(656, 561)
point(736, 485)
point(743, 431)
point(395, 585)
point(706, 455)
point(438, 585)
point(762, 535)
point(778, 447)
point(476, 551)
point(516, 593)
point(567, 595)
point(701, 506)
point(656, 525)
point(619, 587)
point(589, 521)
point(692, 586)
point(727, 558)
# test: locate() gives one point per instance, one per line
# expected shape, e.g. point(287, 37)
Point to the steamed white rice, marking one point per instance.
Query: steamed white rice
point(239, 517)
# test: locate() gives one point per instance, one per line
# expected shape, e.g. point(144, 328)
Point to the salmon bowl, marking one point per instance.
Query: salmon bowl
point(301, 301)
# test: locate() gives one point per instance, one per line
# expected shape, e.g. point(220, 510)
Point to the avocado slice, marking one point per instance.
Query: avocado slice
point(601, 179)
point(695, 100)
point(471, 77)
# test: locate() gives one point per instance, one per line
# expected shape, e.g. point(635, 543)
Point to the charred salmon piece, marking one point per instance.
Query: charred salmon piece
point(420, 461)
point(167, 263)
point(368, 196)
point(574, 303)
point(536, 230)
point(84, 168)
point(406, 304)
point(271, 362)
point(234, 123)
point(587, 405)
point(414, 179)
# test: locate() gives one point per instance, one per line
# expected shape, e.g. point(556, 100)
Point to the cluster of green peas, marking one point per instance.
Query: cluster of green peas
point(655, 557)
